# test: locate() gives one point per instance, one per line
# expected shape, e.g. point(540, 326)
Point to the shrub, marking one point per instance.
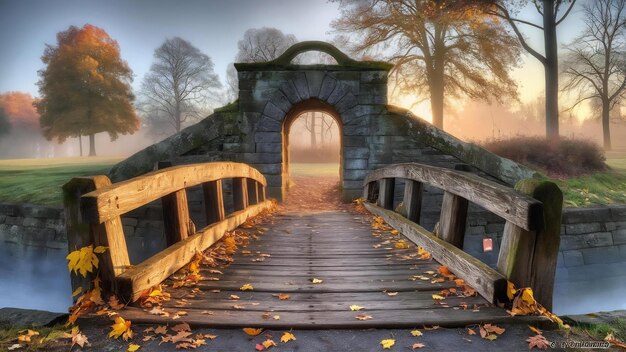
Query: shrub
point(562, 158)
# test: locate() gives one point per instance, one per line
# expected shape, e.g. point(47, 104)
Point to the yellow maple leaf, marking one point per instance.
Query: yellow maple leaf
point(133, 347)
point(416, 333)
point(401, 245)
point(355, 307)
point(287, 336)
point(84, 260)
point(388, 343)
point(26, 337)
point(438, 297)
point(246, 287)
point(77, 291)
point(122, 328)
point(269, 343)
point(316, 281)
point(252, 331)
point(510, 290)
point(394, 232)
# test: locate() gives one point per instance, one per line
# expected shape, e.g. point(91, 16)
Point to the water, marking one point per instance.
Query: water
point(588, 296)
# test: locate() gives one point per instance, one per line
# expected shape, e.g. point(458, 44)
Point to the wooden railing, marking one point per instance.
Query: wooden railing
point(530, 242)
point(94, 207)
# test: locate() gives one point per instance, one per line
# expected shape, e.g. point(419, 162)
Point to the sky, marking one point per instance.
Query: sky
point(213, 26)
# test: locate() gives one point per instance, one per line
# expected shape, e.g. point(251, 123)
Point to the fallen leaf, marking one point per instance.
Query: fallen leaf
point(471, 331)
point(233, 297)
point(26, 337)
point(401, 245)
point(78, 338)
point(269, 343)
point(276, 317)
point(133, 347)
point(238, 306)
point(246, 287)
point(417, 345)
point(535, 330)
point(161, 330)
point(283, 296)
point(181, 327)
point(252, 331)
point(316, 281)
point(114, 303)
point(388, 343)
point(210, 337)
point(363, 317)
point(538, 341)
point(77, 291)
point(394, 232)
point(259, 347)
point(354, 307)
point(15, 346)
point(416, 333)
point(287, 336)
point(391, 294)
point(121, 328)
point(510, 290)
point(438, 297)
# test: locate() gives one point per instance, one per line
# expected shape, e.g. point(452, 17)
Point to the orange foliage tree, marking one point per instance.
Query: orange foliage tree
point(85, 87)
point(19, 107)
point(439, 51)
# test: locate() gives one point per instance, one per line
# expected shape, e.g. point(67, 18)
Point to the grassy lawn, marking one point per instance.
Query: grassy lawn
point(39, 181)
point(598, 189)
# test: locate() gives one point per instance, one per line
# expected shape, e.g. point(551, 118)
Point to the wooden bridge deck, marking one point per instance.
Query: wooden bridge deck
point(356, 266)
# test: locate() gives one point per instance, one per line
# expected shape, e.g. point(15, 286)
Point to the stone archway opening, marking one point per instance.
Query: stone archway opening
point(312, 155)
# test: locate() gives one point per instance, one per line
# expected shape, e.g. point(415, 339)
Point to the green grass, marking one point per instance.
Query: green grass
point(601, 188)
point(39, 181)
point(48, 337)
point(599, 331)
point(321, 169)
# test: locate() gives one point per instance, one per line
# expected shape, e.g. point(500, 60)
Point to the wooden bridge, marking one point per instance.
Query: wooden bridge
point(324, 269)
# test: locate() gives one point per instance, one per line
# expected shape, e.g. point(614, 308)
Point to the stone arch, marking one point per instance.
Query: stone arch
point(302, 47)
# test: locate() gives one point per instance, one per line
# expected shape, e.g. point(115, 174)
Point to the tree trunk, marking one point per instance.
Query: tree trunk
point(313, 136)
point(92, 144)
point(551, 68)
point(80, 143)
point(437, 83)
point(606, 124)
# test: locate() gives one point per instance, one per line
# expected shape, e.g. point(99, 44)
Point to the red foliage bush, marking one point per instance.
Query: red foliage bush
point(562, 158)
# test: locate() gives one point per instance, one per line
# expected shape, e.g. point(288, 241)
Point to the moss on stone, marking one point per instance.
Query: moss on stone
point(232, 106)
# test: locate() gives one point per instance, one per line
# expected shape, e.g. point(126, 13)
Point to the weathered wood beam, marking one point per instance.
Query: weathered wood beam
point(114, 200)
point(240, 193)
point(386, 193)
point(528, 258)
point(176, 221)
point(501, 200)
point(452, 219)
point(213, 201)
point(134, 281)
point(413, 200)
point(486, 281)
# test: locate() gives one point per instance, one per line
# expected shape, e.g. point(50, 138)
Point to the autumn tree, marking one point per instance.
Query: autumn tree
point(595, 62)
point(85, 87)
point(438, 52)
point(553, 13)
point(180, 83)
point(21, 111)
point(5, 125)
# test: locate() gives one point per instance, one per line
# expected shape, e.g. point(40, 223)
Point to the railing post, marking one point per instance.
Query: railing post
point(386, 193)
point(261, 192)
point(79, 233)
point(253, 195)
point(413, 200)
point(176, 221)
point(370, 192)
point(240, 193)
point(528, 258)
point(213, 201)
point(452, 219)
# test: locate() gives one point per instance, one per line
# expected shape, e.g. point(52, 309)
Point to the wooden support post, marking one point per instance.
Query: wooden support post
point(176, 221)
point(452, 219)
point(370, 192)
point(528, 258)
point(253, 195)
point(413, 200)
point(79, 234)
point(261, 192)
point(386, 193)
point(213, 201)
point(115, 259)
point(240, 193)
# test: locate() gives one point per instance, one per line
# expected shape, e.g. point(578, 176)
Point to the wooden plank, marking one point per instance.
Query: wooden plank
point(176, 221)
point(261, 189)
point(339, 320)
point(122, 197)
point(503, 201)
point(528, 258)
point(157, 268)
point(487, 282)
point(240, 193)
point(385, 197)
point(413, 200)
point(213, 201)
point(115, 259)
point(452, 219)
point(252, 191)
point(79, 234)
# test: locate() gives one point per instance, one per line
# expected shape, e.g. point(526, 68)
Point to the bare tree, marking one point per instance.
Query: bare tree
point(179, 84)
point(263, 44)
point(232, 83)
point(595, 63)
point(552, 12)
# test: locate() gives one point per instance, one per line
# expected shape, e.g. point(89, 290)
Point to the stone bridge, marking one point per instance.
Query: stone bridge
point(254, 129)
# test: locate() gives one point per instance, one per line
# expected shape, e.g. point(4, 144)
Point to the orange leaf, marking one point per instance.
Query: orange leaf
point(252, 331)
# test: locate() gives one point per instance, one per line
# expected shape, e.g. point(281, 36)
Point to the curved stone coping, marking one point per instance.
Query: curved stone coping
point(284, 60)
